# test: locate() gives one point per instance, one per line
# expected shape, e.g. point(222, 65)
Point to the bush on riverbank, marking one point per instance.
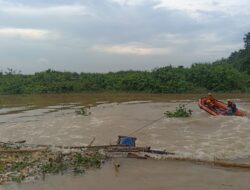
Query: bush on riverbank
point(197, 78)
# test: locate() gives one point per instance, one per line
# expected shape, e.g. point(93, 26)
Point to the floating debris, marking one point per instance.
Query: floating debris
point(19, 162)
point(83, 111)
point(180, 111)
point(28, 162)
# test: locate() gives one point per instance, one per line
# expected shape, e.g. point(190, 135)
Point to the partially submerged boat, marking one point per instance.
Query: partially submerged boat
point(218, 108)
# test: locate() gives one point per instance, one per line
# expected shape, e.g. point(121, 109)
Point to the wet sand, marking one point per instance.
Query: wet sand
point(201, 136)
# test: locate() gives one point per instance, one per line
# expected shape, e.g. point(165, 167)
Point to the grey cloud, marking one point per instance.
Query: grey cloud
point(116, 29)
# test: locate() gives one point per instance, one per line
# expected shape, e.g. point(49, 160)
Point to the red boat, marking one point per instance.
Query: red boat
point(218, 108)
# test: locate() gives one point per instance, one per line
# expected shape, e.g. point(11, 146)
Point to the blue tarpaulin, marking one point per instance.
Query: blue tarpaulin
point(126, 140)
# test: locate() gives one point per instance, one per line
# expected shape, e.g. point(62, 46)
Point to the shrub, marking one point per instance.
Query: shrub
point(180, 111)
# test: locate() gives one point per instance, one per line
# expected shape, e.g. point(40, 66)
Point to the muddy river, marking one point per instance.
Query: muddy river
point(51, 119)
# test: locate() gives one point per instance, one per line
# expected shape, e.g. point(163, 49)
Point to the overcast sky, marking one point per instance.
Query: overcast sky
point(112, 35)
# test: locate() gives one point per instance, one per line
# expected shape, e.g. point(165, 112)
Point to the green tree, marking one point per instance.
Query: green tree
point(247, 41)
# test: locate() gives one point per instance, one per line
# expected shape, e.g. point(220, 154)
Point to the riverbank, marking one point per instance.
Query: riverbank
point(40, 100)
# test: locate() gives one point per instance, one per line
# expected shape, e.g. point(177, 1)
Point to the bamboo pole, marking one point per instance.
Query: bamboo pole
point(22, 150)
point(220, 163)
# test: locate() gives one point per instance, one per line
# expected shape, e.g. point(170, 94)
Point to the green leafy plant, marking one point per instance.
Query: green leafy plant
point(54, 167)
point(93, 161)
point(180, 111)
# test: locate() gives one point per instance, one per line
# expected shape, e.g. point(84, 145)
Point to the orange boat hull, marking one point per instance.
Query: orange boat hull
point(221, 108)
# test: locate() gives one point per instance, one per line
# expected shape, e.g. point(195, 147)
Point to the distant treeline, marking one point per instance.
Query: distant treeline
point(226, 75)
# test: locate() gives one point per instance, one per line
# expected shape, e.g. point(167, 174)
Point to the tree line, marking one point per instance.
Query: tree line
point(226, 75)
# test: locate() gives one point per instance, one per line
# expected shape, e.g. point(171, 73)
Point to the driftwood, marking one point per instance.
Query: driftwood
point(131, 152)
point(220, 163)
point(92, 141)
point(159, 152)
point(111, 148)
point(20, 142)
point(59, 146)
point(22, 150)
point(133, 155)
point(127, 149)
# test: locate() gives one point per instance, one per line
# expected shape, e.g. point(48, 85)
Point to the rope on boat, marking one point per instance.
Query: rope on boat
point(135, 131)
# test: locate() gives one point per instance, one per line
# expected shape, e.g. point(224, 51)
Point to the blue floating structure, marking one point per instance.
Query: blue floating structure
point(126, 140)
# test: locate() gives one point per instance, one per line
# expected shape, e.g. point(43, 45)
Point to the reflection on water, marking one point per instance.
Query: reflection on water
point(201, 136)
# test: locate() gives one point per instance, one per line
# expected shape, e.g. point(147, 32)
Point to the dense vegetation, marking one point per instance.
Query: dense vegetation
point(226, 75)
point(241, 59)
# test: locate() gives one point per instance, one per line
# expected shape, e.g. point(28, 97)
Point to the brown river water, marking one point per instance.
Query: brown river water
point(51, 119)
